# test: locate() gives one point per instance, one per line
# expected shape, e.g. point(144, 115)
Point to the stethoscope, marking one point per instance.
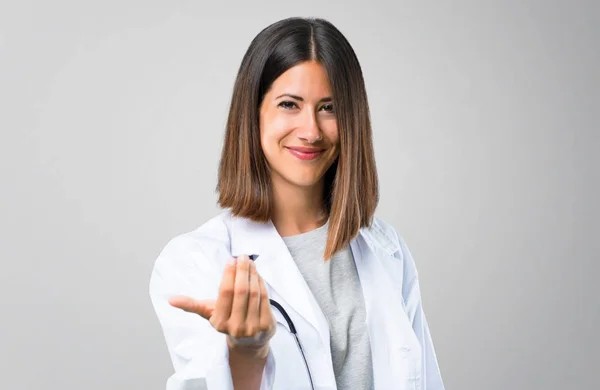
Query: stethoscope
point(294, 333)
point(292, 330)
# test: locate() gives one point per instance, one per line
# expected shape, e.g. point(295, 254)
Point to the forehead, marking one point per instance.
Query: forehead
point(307, 79)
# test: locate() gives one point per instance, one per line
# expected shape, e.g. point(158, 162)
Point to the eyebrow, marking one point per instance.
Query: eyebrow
point(296, 97)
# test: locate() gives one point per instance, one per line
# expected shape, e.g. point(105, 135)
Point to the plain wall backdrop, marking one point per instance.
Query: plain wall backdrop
point(486, 122)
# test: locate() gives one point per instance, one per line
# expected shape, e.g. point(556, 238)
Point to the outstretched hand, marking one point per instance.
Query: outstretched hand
point(242, 310)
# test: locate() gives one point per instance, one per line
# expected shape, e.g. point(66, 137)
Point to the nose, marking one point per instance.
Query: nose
point(310, 131)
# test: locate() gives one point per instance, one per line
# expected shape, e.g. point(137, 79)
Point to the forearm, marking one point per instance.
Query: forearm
point(247, 365)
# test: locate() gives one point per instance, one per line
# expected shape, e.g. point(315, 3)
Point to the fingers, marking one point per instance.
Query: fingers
point(239, 309)
point(253, 316)
point(203, 308)
point(225, 300)
point(242, 309)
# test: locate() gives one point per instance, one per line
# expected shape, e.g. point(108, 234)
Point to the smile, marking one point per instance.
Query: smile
point(304, 153)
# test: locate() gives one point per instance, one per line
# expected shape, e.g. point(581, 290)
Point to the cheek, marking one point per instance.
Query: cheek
point(275, 129)
point(329, 128)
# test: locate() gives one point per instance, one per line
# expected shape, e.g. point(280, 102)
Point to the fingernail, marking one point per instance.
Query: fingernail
point(231, 261)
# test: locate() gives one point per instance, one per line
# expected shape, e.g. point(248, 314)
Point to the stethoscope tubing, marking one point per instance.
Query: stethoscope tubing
point(295, 334)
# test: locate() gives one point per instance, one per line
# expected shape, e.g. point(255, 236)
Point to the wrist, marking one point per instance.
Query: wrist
point(247, 350)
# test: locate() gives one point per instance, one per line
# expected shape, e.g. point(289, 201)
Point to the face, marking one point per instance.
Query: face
point(298, 127)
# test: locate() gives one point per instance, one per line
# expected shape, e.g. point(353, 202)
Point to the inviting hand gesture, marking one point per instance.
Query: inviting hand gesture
point(241, 311)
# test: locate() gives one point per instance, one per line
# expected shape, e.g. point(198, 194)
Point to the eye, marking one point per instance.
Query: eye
point(287, 105)
point(327, 107)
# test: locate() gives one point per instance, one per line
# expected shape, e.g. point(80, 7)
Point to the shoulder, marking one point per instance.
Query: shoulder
point(384, 236)
point(209, 240)
point(191, 263)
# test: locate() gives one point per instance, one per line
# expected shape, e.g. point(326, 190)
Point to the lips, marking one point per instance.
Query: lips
point(305, 153)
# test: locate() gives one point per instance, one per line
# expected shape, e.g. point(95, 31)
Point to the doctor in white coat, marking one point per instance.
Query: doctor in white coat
point(243, 308)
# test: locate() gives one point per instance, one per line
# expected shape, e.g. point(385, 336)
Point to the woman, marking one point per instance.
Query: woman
point(295, 285)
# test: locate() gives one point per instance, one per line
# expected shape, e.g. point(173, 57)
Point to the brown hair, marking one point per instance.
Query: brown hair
point(351, 190)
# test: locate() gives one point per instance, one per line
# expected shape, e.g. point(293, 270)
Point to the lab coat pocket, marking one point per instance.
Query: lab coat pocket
point(406, 361)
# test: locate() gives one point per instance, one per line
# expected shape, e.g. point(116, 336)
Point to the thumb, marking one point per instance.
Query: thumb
point(203, 308)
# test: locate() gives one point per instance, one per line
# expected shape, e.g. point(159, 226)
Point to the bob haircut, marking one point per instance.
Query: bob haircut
point(351, 190)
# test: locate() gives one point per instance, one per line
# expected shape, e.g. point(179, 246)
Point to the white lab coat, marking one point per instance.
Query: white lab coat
point(192, 264)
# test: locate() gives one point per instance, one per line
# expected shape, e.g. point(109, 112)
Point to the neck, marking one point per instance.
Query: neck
point(296, 209)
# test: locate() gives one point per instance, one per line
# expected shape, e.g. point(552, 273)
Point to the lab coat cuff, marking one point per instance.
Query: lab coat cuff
point(268, 377)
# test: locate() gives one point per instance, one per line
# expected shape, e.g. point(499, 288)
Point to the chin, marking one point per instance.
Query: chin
point(303, 182)
point(306, 180)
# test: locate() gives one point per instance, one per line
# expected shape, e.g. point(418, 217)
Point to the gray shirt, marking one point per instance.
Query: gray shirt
point(337, 289)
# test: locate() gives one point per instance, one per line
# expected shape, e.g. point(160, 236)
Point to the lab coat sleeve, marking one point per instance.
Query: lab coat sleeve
point(431, 378)
point(198, 352)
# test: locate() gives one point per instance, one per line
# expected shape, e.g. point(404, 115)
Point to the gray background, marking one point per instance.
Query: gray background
point(486, 134)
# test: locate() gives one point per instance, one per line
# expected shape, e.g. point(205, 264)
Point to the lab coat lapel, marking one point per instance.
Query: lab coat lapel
point(277, 268)
point(388, 325)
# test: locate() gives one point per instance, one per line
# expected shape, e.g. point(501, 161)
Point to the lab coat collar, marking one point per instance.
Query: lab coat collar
point(263, 234)
point(379, 238)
